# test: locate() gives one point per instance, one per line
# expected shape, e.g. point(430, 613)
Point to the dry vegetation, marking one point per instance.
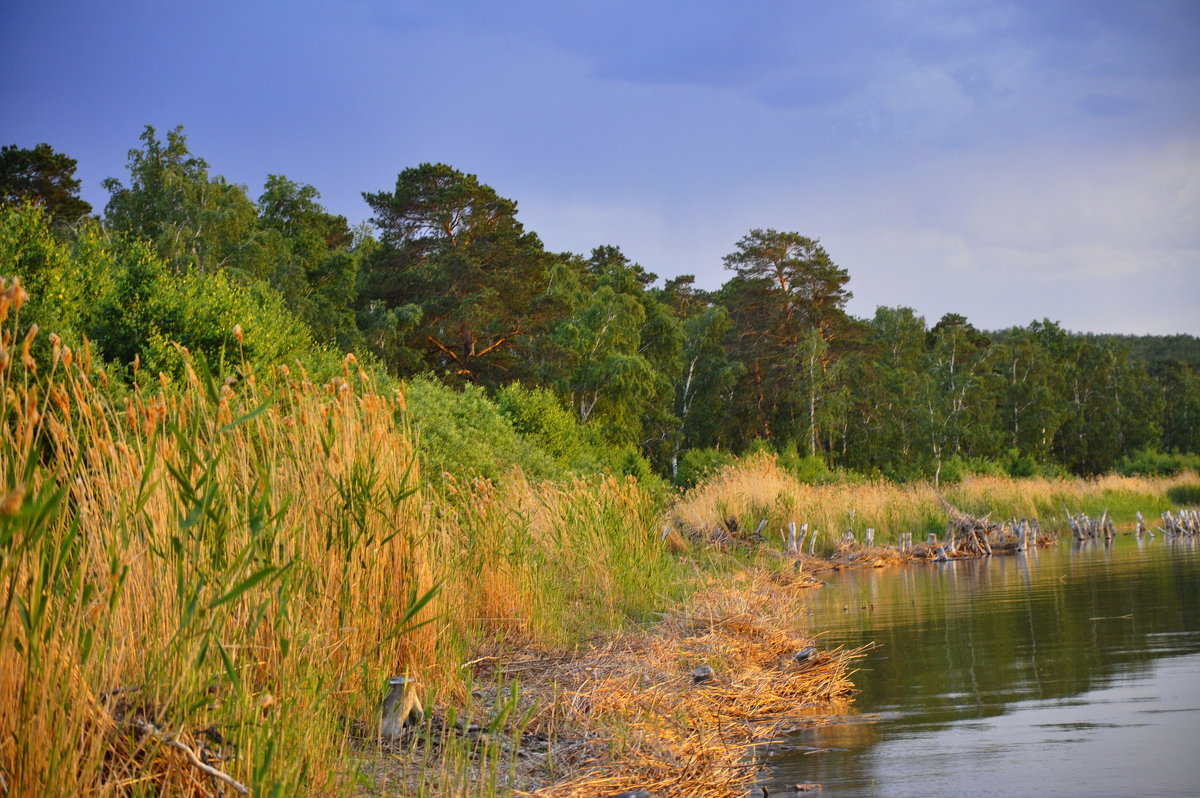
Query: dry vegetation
point(756, 488)
point(627, 713)
point(228, 573)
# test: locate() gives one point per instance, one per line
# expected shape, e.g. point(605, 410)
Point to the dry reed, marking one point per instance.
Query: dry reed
point(759, 488)
point(247, 561)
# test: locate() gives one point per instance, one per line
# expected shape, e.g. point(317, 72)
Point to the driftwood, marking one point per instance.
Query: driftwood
point(972, 536)
point(173, 741)
point(1084, 528)
point(1184, 523)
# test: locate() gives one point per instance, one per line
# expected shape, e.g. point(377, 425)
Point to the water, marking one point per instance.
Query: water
point(1066, 671)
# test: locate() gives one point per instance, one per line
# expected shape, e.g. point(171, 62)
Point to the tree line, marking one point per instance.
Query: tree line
point(446, 281)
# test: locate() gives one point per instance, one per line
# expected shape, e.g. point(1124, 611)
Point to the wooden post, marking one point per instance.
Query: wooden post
point(870, 536)
point(812, 542)
point(803, 535)
point(791, 541)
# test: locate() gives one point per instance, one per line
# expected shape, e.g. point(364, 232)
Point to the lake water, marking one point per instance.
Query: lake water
point(1069, 671)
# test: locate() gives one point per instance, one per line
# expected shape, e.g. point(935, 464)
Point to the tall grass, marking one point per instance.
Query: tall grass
point(248, 560)
point(757, 487)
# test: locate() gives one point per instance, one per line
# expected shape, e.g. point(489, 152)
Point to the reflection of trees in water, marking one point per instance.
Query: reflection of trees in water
point(964, 641)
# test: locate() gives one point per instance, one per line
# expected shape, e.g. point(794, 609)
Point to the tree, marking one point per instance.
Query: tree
point(194, 221)
point(43, 177)
point(316, 266)
point(885, 427)
point(1032, 402)
point(958, 391)
point(1180, 385)
point(704, 375)
point(452, 247)
point(787, 303)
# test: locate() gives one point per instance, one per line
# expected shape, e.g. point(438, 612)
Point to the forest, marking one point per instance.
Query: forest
point(565, 362)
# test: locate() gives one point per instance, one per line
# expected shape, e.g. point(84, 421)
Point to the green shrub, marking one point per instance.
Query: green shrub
point(808, 468)
point(1153, 463)
point(1184, 494)
point(953, 470)
point(538, 415)
point(131, 304)
point(696, 464)
point(462, 432)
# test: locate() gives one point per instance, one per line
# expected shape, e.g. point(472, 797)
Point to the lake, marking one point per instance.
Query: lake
point(1067, 671)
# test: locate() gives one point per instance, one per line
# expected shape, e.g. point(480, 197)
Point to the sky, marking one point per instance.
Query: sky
point(1009, 161)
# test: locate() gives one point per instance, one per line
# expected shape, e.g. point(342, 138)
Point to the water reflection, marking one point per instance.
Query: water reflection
point(992, 671)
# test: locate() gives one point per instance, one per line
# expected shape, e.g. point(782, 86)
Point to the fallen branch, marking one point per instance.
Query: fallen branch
point(194, 760)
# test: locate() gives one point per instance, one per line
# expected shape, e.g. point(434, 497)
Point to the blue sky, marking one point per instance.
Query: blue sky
point(1005, 160)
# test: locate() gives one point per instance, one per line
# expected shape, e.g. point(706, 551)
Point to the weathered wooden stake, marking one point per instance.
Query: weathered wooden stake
point(791, 546)
point(870, 536)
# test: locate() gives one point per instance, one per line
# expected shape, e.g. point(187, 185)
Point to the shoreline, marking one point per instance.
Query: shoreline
point(625, 715)
point(628, 712)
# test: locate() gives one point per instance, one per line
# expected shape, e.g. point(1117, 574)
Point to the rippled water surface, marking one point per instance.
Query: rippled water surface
point(1066, 671)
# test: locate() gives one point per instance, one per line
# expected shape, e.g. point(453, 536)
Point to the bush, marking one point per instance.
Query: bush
point(464, 433)
point(808, 468)
point(697, 464)
point(1021, 465)
point(1184, 494)
point(131, 304)
point(952, 472)
point(538, 415)
point(1153, 463)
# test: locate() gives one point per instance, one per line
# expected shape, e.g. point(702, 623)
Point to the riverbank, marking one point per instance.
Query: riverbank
point(208, 585)
point(675, 709)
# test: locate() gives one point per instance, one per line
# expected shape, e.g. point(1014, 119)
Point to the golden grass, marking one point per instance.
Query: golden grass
point(757, 487)
point(244, 559)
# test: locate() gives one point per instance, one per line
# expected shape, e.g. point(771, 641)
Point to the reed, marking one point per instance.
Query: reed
point(207, 583)
point(755, 488)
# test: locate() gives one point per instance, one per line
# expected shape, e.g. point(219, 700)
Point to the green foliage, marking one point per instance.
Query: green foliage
point(697, 464)
point(200, 311)
point(1184, 494)
point(538, 415)
point(787, 306)
point(132, 305)
point(194, 221)
point(1153, 463)
point(461, 432)
point(808, 468)
point(457, 287)
point(66, 278)
point(43, 177)
point(952, 471)
point(452, 247)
